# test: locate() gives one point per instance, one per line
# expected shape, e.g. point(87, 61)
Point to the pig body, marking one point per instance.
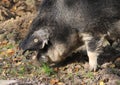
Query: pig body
point(62, 26)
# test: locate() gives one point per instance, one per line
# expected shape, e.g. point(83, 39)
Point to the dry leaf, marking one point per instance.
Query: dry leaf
point(6, 67)
point(76, 69)
point(17, 59)
point(0, 43)
point(4, 72)
point(2, 53)
point(56, 69)
point(10, 51)
point(60, 83)
point(13, 9)
point(102, 83)
point(54, 81)
point(5, 1)
point(112, 65)
point(4, 42)
point(19, 63)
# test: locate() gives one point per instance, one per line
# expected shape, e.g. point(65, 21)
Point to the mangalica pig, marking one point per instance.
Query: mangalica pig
point(62, 26)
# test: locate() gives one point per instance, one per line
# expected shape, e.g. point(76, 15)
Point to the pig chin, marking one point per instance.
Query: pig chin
point(48, 58)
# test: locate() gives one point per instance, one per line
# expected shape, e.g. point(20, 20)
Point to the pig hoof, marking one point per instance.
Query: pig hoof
point(93, 67)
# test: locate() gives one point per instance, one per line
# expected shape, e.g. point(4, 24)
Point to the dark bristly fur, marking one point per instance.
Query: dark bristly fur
point(62, 26)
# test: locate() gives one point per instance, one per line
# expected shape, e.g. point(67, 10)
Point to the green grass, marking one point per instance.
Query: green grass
point(89, 75)
point(46, 69)
point(10, 46)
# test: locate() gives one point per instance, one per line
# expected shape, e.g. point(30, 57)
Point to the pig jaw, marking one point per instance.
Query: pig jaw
point(55, 54)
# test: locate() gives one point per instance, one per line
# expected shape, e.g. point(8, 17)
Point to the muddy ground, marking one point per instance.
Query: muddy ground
point(15, 19)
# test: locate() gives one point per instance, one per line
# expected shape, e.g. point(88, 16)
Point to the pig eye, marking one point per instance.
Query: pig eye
point(35, 40)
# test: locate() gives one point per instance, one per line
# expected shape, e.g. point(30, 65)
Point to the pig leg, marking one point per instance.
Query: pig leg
point(94, 48)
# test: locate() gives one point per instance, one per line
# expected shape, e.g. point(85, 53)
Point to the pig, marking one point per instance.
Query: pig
point(63, 26)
